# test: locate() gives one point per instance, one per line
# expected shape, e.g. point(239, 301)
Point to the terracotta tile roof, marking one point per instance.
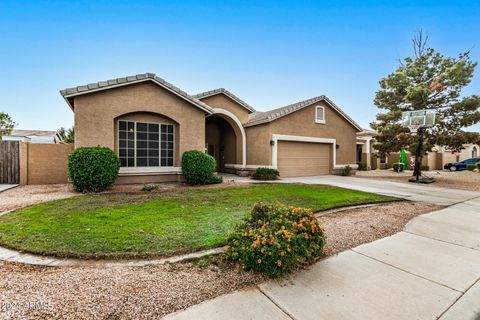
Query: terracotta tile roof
point(112, 83)
point(228, 94)
point(268, 116)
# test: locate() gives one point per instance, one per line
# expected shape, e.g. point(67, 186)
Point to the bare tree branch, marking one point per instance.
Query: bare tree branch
point(419, 43)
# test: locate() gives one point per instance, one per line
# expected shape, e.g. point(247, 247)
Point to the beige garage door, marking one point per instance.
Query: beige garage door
point(302, 159)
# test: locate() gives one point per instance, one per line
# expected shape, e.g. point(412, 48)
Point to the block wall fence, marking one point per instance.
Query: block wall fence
point(44, 163)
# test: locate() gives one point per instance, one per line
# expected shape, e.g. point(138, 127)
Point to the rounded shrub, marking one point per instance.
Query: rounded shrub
point(398, 167)
point(471, 167)
point(198, 167)
point(265, 174)
point(93, 168)
point(362, 166)
point(275, 239)
point(346, 171)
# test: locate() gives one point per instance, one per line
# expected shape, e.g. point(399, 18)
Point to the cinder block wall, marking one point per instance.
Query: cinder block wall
point(44, 163)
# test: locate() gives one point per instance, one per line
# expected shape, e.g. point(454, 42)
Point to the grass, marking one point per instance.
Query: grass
point(129, 225)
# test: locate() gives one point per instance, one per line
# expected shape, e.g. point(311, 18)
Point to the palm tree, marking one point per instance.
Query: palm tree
point(66, 135)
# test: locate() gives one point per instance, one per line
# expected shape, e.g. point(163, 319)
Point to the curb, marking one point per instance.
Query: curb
point(360, 206)
point(9, 255)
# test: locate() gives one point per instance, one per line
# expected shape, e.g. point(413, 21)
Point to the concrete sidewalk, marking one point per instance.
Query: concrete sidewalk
point(431, 270)
point(5, 187)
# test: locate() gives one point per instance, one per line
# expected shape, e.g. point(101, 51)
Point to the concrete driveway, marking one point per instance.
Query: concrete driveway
point(431, 270)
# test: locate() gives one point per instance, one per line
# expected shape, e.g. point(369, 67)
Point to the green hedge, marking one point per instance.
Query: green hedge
point(198, 167)
point(471, 167)
point(275, 239)
point(214, 180)
point(93, 168)
point(362, 166)
point(265, 174)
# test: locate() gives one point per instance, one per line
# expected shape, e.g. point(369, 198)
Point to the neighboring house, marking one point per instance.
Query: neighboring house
point(365, 151)
point(469, 151)
point(150, 123)
point(436, 159)
point(33, 136)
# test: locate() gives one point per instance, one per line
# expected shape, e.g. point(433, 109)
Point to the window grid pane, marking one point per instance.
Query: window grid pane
point(166, 145)
point(126, 143)
point(147, 144)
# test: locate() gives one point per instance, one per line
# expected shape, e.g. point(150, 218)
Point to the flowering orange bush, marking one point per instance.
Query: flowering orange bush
point(276, 238)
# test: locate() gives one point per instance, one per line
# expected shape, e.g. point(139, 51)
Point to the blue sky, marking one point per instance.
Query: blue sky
point(269, 53)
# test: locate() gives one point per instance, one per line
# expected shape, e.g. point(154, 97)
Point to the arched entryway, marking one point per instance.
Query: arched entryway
point(225, 140)
point(474, 152)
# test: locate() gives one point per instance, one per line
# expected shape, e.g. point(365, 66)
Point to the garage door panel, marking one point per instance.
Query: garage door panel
point(303, 158)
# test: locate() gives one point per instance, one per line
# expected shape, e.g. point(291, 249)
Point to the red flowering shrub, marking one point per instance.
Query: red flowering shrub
point(275, 238)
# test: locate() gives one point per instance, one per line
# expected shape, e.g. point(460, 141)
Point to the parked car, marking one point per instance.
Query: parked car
point(462, 165)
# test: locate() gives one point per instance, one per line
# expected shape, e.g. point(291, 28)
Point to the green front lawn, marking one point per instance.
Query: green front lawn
point(127, 225)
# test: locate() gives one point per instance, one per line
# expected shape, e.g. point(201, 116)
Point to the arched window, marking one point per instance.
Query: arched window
point(474, 152)
point(145, 144)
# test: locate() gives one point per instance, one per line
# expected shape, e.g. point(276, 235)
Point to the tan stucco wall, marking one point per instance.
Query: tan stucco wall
point(95, 114)
point(157, 178)
point(259, 150)
point(302, 123)
point(212, 133)
point(44, 163)
point(232, 155)
point(222, 101)
point(24, 163)
point(448, 157)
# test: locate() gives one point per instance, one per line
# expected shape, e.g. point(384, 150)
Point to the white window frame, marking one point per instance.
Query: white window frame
point(316, 114)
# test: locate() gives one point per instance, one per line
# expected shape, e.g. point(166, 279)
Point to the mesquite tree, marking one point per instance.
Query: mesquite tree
point(6, 124)
point(427, 80)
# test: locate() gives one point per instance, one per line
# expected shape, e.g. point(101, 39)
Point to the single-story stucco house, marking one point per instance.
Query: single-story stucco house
point(150, 123)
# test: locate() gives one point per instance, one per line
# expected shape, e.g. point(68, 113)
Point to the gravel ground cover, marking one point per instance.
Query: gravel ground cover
point(350, 228)
point(154, 291)
point(463, 180)
point(23, 196)
point(112, 293)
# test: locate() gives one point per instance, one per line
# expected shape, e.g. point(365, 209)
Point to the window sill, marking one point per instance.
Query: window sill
point(149, 170)
point(320, 121)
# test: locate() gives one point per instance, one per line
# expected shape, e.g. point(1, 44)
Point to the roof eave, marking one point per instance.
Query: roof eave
point(228, 94)
point(205, 108)
point(321, 98)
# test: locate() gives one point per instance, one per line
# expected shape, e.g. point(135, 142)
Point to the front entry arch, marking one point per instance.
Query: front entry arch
point(225, 139)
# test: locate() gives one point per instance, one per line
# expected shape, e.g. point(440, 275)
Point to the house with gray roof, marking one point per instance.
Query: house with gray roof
point(32, 136)
point(150, 123)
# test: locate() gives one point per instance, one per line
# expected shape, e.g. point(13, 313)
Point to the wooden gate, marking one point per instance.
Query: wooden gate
point(9, 162)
